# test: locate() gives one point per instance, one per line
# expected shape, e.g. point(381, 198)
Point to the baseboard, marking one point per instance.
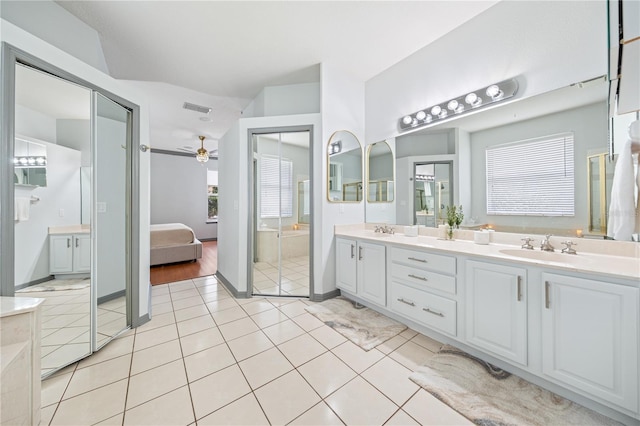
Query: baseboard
point(141, 321)
point(325, 296)
point(35, 282)
point(207, 239)
point(234, 292)
point(111, 296)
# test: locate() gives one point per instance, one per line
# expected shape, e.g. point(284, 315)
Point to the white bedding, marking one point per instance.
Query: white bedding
point(171, 234)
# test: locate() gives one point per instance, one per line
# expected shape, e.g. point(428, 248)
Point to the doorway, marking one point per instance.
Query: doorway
point(281, 212)
point(432, 192)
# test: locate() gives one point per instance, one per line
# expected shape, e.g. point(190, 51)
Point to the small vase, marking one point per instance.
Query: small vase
point(450, 233)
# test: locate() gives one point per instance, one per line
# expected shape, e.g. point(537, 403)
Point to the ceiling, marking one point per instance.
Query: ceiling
point(222, 53)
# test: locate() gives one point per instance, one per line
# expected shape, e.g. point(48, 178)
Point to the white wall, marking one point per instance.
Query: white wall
point(62, 60)
point(285, 100)
point(342, 106)
point(35, 124)
point(179, 193)
point(59, 205)
point(545, 45)
point(75, 134)
point(50, 22)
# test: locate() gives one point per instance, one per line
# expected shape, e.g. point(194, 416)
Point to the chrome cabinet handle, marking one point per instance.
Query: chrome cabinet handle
point(440, 314)
point(418, 260)
point(519, 288)
point(352, 251)
point(406, 303)
point(360, 253)
point(77, 242)
point(68, 242)
point(417, 277)
point(547, 297)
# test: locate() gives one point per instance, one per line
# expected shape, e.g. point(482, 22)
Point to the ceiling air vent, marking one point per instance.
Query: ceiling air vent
point(197, 108)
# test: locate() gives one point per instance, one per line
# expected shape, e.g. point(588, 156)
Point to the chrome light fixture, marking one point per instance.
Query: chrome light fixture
point(201, 154)
point(481, 98)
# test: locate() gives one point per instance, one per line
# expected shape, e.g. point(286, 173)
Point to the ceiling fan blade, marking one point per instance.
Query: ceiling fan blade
point(190, 151)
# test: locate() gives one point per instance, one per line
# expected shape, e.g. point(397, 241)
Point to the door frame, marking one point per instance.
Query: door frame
point(251, 220)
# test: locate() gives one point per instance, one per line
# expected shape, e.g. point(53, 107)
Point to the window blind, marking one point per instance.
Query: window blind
point(276, 187)
point(532, 177)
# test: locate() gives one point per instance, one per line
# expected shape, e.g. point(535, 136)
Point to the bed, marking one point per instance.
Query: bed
point(173, 242)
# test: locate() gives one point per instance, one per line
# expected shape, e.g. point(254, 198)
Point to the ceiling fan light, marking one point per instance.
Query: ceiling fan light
point(201, 154)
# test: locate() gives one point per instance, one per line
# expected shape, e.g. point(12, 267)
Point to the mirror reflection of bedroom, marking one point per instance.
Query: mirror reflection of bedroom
point(281, 214)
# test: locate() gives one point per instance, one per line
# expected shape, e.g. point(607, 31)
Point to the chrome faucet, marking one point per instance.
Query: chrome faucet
point(384, 229)
point(546, 245)
point(527, 243)
point(568, 247)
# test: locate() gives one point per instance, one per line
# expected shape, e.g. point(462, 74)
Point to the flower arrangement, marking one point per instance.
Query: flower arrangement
point(455, 216)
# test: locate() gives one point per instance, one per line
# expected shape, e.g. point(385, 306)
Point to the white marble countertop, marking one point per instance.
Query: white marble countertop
point(69, 229)
point(18, 305)
point(620, 266)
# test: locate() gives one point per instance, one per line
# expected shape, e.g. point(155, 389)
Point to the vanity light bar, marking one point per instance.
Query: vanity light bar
point(30, 161)
point(472, 101)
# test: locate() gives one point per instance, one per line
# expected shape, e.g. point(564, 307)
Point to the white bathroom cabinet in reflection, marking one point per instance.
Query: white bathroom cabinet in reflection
point(69, 254)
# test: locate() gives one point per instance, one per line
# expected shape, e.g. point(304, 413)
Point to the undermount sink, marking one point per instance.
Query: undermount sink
point(540, 255)
point(381, 234)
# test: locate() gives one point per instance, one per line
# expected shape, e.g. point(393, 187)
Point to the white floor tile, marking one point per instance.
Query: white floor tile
point(173, 408)
point(245, 411)
point(286, 398)
point(359, 403)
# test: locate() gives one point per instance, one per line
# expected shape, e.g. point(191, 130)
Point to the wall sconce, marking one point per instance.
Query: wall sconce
point(335, 147)
point(472, 101)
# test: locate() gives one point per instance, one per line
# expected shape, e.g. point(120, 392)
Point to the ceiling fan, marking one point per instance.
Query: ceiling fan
point(189, 148)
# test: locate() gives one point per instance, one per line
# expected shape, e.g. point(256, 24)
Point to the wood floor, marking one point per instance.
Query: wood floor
point(207, 265)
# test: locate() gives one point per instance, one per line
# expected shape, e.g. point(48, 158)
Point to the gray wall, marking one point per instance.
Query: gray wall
point(179, 192)
point(589, 126)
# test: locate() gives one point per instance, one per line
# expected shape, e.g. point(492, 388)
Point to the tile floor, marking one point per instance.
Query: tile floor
point(206, 358)
point(66, 321)
point(295, 277)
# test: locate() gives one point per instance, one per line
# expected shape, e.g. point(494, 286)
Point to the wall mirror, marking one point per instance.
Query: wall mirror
point(579, 108)
point(30, 163)
point(344, 171)
point(380, 173)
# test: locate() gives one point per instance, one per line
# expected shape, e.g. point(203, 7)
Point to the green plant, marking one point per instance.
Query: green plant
point(459, 216)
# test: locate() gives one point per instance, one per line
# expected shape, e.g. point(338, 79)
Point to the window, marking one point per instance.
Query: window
point(212, 195)
point(276, 178)
point(532, 177)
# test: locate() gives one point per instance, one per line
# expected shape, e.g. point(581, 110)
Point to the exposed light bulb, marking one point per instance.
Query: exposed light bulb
point(472, 99)
point(23, 161)
point(452, 105)
point(421, 115)
point(494, 91)
point(443, 114)
point(436, 110)
point(429, 118)
point(407, 119)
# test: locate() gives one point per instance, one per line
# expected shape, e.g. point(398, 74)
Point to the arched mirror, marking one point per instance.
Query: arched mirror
point(344, 171)
point(380, 172)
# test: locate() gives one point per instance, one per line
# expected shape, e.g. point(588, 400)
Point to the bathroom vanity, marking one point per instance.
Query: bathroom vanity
point(69, 250)
point(569, 323)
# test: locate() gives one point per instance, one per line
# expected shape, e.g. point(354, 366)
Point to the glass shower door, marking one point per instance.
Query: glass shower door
point(282, 214)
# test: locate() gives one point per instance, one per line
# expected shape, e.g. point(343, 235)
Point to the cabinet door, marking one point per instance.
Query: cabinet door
point(372, 273)
point(590, 337)
point(81, 253)
point(496, 309)
point(346, 265)
point(60, 254)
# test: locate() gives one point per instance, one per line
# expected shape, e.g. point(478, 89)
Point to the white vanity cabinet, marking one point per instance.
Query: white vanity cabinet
point(590, 337)
point(69, 253)
point(361, 269)
point(496, 309)
point(423, 288)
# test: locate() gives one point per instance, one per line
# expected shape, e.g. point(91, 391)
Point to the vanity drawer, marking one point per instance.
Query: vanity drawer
point(428, 309)
point(422, 260)
point(424, 278)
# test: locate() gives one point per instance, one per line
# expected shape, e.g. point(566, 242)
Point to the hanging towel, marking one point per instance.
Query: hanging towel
point(22, 205)
point(622, 210)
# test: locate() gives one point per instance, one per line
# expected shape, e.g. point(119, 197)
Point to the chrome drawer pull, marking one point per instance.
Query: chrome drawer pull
point(440, 314)
point(352, 249)
point(418, 260)
point(406, 303)
point(547, 298)
point(417, 277)
point(519, 296)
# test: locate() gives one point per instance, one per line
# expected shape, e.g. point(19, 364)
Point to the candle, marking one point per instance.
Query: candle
point(579, 233)
point(295, 226)
point(442, 232)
